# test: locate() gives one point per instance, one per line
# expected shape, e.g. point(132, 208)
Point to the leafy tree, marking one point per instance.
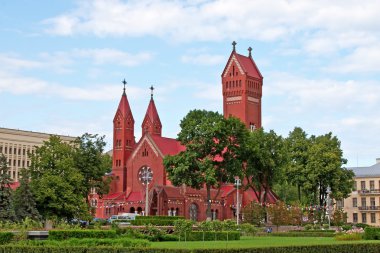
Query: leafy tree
point(92, 163)
point(254, 213)
point(24, 202)
point(6, 205)
point(325, 169)
point(295, 215)
point(278, 214)
point(55, 182)
point(265, 157)
point(212, 152)
point(285, 191)
point(297, 145)
point(339, 217)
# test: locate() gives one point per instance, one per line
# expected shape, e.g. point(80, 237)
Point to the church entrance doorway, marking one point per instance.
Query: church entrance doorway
point(194, 212)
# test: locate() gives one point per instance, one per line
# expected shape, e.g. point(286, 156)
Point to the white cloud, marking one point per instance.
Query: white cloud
point(204, 59)
point(97, 92)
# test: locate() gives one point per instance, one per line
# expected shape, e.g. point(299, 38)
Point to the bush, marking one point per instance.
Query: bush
point(338, 248)
point(155, 220)
point(372, 233)
point(5, 237)
point(149, 233)
point(362, 225)
point(308, 227)
point(348, 237)
point(303, 234)
point(67, 234)
point(213, 236)
point(346, 227)
point(248, 229)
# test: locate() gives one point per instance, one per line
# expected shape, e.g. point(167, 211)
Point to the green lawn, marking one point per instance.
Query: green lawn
point(255, 242)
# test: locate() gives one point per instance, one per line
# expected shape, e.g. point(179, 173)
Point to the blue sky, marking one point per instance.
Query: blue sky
point(62, 64)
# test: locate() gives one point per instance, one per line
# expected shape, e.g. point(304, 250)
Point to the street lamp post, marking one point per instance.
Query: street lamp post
point(328, 191)
point(147, 177)
point(237, 183)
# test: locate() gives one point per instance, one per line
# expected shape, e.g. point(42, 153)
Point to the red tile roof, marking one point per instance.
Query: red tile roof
point(124, 107)
point(135, 196)
point(113, 196)
point(227, 189)
point(168, 146)
point(172, 192)
point(152, 113)
point(249, 66)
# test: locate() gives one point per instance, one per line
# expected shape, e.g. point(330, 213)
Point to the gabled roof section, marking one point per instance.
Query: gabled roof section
point(249, 66)
point(124, 109)
point(168, 146)
point(245, 63)
point(152, 114)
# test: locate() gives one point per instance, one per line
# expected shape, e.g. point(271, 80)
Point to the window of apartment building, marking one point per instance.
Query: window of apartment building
point(356, 185)
point(373, 217)
point(14, 162)
point(339, 203)
point(355, 217)
point(362, 185)
point(14, 151)
point(6, 151)
point(1, 149)
point(364, 218)
point(372, 185)
point(18, 163)
point(372, 202)
point(364, 202)
point(23, 163)
point(23, 151)
point(14, 175)
point(354, 202)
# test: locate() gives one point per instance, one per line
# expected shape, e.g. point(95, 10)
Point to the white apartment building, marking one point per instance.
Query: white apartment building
point(16, 144)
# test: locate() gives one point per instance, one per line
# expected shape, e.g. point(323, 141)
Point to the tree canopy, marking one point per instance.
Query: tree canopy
point(6, 204)
point(212, 151)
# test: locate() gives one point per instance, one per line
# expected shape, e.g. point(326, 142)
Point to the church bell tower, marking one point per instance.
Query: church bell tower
point(242, 89)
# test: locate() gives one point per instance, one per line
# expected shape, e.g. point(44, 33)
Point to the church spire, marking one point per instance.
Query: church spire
point(151, 123)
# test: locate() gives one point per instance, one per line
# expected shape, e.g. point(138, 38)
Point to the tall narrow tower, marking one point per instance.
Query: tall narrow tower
point(123, 142)
point(151, 123)
point(242, 89)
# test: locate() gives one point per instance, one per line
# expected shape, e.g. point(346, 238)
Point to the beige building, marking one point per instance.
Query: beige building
point(363, 205)
point(16, 144)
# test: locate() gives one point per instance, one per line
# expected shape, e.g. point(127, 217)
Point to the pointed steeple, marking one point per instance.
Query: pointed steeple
point(124, 109)
point(151, 123)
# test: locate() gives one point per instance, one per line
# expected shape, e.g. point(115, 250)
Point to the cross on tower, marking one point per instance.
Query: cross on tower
point(124, 82)
point(233, 45)
point(151, 91)
point(249, 51)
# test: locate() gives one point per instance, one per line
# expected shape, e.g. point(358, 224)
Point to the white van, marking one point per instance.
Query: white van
point(125, 217)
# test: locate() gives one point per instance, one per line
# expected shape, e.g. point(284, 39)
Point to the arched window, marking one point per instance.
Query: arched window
point(193, 212)
point(132, 210)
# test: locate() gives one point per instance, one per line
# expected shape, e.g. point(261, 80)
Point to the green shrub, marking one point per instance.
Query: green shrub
point(66, 234)
point(362, 225)
point(337, 248)
point(156, 220)
point(348, 237)
point(89, 242)
point(325, 226)
point(5, 237)
point(372, 233)
point(346, 227)
point(303, 234)
point(308, 227)
point(313, 231)
point(213, 236)
point(149, 233)
point(248, 229)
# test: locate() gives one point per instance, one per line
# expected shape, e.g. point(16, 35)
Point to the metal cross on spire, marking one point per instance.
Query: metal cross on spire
point(233, 45)
point(151, 91)
point(124, 82)
point(250, 51)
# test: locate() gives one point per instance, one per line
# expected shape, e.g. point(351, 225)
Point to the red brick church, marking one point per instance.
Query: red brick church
point(242, 91)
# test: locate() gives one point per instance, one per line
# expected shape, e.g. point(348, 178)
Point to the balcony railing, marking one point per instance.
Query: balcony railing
point(369, 208)
point(367, 192)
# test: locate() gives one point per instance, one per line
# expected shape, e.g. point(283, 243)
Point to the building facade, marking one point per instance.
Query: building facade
point(16, 144)
point(363, 205)
point(134, 161)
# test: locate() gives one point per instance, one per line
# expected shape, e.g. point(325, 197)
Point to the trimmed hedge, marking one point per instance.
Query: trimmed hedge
point(5, 237)
point(338, 248)
point(372, 233)
point(89, 242)
point(156, 220)
point(314, 231)
point(213, 236)
point(302, 234)
point(66, 234)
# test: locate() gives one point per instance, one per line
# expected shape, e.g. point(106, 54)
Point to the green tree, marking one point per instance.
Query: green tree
point(325, 169)
point(212, 154)
point(254, 213)
point(6, 204)
point(55, 181)
point(92, 163)
point(297, 144)
point(265, 157)
point(279, 214)
point(24, 202)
